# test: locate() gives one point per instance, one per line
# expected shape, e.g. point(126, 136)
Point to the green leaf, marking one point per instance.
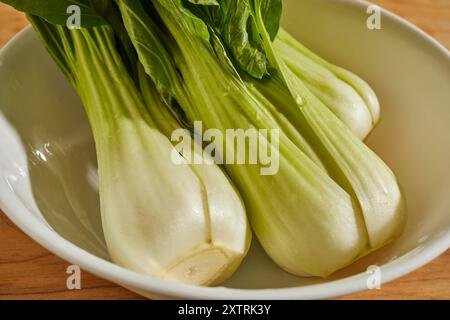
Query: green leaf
point(191, 22)
point(271, 11)
point(204, 2)
point(55, 11)
point(152, 54)
point(234, 24)
point(242, 38)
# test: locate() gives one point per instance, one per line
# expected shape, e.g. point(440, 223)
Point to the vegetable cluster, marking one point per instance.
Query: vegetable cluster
point(144, 68)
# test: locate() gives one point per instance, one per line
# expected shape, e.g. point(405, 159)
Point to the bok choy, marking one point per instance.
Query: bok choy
point(176, 222)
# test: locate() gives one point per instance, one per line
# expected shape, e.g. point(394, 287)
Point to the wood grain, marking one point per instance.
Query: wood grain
point(28, 271)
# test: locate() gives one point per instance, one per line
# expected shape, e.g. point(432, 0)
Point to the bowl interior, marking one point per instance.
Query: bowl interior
point(47, 154)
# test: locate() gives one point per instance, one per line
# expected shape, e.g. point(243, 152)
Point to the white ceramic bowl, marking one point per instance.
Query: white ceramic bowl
point(48, 166)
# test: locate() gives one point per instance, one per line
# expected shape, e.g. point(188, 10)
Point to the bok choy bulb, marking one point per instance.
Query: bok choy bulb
point(350, 98)
point(159, 218)
point(225, 207)
point(350, 162)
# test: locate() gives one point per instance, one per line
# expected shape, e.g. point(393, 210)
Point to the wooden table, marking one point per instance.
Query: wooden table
point(31, 272)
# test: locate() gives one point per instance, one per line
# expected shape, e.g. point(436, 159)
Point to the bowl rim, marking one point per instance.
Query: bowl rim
point(33, 227)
